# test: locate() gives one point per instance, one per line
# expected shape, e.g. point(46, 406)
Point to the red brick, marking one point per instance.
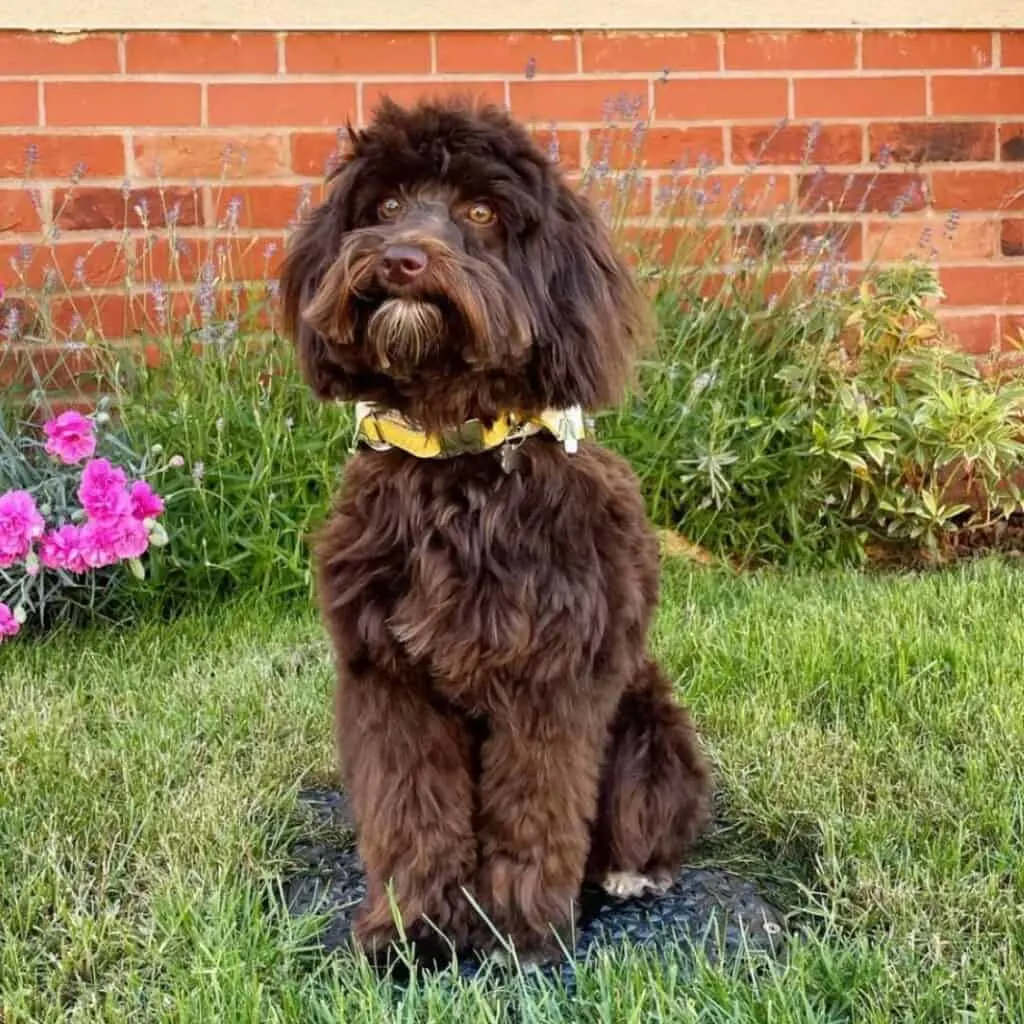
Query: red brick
point(609, 101)
point(799, 241)
point(872, 193)
point(284, 104)
point(19, 102)
point(71, 265)
point(314, 153)
point(132, 104)
point(358, 53)
point(978, 94)
point(672, 245)
point(1011, 328)
point(170, 261)
point(992, 284)
point(114, 317)
point(46, 53)
point(108, 209)
point(717, 194)
point(919, 50)
point(860, 97)
point(1011, 142)
point(974, 333)
point(511, 53)
point(796, 51)
point(181, 307)
point(18, 212)
point(60, 368)
point(408, 93)
point(719, 286)
point(118, 317)
point(1012, 49)
point(978, 190)
point(234, 258)
point(618, 195)
point(20, 265)
point(699, 245)
point(655, 148)
point(262, 206)
point(139, 313)
point(101, 264)
point(724, 99)
point(796, 144)
point(1011, 238)
point(60, 156)
point(57, 404)
point(659, 52)
point(201, 53)
point(693, 244)
point(929, 239)
point(562, 146)
point(210, 156)
point(916, 142)
point(846, 236)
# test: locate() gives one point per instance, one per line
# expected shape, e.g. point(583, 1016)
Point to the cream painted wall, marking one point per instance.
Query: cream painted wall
point(508, 15)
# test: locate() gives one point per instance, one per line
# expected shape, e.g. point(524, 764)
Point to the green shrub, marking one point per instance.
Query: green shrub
point(257, 458)
point(810, 429)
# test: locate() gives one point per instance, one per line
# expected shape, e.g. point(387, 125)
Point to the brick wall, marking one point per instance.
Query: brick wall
point(233, 131)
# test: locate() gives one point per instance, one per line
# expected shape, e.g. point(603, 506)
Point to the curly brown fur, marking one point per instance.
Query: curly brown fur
point(501, 725)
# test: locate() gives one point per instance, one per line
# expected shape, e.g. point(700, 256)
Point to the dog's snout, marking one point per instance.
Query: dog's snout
point(402, 263)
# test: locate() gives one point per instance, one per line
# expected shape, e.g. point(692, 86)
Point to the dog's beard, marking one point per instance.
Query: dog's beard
point(404, 332)
point(467, 308)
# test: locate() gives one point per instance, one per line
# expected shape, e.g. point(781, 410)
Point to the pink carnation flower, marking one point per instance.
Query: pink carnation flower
point(103, 493)
point(110, 541)
point(9, 625)
point(62, 549)
point(70, 438)
point(146, 503)
point(20, 525)
point(130, 537)
point(97, 544)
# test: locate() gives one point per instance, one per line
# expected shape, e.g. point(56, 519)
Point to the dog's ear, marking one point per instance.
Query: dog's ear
point(592, 317)
point(309, 255)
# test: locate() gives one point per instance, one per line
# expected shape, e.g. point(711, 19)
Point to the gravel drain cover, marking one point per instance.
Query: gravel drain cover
point(711, 909)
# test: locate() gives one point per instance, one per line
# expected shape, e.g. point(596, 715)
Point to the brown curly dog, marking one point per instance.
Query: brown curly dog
point(487, 578)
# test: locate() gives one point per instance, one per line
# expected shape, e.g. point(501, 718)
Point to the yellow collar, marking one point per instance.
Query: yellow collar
point(382, 429)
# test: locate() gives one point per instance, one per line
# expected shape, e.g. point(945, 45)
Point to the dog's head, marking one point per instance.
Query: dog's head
point(451, 265)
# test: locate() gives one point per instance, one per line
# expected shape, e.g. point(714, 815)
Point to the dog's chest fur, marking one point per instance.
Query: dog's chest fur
point(482, 577)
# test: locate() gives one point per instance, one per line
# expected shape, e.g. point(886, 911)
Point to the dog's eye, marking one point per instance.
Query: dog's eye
point(389, 208)
point(481, 214)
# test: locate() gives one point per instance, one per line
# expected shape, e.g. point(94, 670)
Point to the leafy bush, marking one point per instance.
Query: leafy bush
point(76, 510)
point(813, 428)
point(257, 457)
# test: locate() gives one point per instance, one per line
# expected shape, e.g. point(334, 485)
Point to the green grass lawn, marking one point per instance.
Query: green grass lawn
point(869, 737)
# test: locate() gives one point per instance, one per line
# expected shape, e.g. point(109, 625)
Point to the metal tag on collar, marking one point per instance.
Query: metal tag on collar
point(510, 454)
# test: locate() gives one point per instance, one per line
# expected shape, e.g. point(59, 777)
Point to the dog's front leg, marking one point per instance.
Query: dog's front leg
point(407, 765)
point(538, 797)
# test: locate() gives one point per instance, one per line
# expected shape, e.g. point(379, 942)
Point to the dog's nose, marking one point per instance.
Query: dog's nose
point(402, 263)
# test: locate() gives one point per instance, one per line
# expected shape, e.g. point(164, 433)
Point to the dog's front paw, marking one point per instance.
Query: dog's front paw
point(626, 885)
point(436, 928)
point(532, 910)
